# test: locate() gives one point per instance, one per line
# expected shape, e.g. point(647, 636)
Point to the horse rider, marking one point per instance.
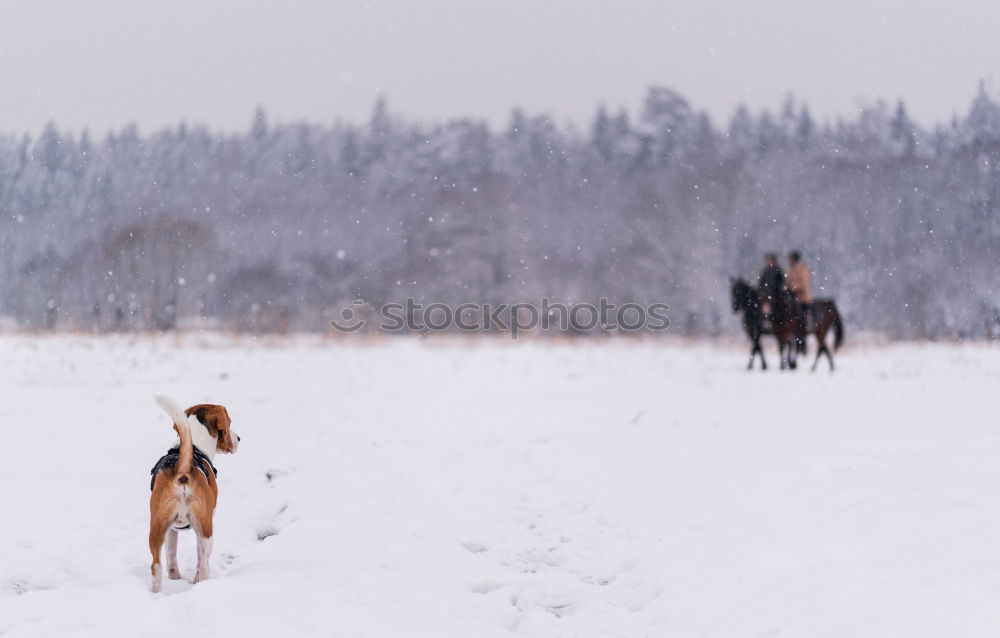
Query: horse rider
point(797, 281)
point(770, 283)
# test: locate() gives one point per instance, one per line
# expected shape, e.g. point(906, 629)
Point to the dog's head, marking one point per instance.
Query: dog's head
point(216, 419)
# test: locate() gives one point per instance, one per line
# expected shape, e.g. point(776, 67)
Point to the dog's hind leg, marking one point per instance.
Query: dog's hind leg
point(204, 553)
point(173, 573)
point(157, 529)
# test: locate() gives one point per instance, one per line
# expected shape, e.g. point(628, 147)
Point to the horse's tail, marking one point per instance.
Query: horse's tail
point(838, 327)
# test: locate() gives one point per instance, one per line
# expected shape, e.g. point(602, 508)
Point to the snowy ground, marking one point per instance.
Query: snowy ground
point(410, 488)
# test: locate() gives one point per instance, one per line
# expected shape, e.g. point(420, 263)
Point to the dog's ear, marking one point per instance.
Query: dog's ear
point(224, 442)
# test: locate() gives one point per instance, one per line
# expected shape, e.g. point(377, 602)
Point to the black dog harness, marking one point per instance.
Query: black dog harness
point(200, 461)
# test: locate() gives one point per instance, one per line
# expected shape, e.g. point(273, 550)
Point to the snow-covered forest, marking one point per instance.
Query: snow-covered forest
point(279, 226)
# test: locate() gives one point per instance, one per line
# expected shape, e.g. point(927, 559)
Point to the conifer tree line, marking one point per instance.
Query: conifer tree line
point(279, 226)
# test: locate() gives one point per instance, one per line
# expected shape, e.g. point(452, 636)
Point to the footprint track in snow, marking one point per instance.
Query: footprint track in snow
point(273, 525)
point(557, 573)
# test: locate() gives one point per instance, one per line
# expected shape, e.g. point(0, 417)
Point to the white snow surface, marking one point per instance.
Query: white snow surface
point(449, 488)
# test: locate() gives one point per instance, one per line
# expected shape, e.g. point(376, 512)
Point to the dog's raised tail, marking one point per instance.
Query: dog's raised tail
point(184, 432)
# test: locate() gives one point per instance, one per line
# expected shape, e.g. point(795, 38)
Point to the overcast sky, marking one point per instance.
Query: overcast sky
point(103, 63)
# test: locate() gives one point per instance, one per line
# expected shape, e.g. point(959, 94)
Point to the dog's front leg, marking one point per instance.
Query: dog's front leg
point(173, 572)
point(204, 552)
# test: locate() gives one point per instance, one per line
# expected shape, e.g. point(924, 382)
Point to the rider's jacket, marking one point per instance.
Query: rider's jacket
point(797, 281)
point(771, 280)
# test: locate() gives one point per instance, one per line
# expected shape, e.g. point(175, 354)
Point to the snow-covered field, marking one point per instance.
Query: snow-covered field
point(439, 488)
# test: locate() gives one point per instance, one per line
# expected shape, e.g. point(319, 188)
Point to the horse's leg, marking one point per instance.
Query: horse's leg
point(819, 353)
point(829, 356)
point(820, 343)
point(763, 361)
point(822, 350)
point(753, 353)
point(781, 354)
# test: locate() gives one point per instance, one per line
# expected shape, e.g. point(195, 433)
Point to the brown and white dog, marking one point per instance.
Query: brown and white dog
point(185, 494)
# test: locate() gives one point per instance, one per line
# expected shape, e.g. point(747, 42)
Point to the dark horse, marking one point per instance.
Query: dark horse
point(785, 324)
